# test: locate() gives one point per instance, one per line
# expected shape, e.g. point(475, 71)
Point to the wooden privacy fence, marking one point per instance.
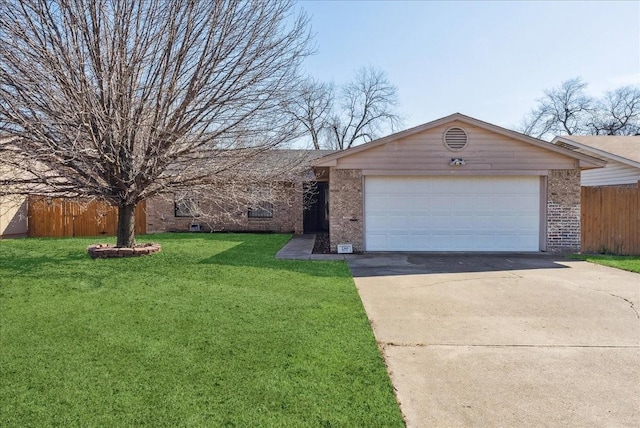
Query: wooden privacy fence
point(58, 217)
point(610, 219)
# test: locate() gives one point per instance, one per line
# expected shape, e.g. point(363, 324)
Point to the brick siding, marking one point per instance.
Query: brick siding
point(287, 215)
point(563, 211)
point(346, 213)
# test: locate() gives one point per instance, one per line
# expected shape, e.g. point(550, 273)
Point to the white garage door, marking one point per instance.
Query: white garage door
point(452, 213)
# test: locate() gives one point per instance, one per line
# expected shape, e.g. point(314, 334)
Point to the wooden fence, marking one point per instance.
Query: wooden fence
point(610, 219)
point(57, 217)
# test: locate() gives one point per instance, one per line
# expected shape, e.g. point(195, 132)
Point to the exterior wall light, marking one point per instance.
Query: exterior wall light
point(457, 162)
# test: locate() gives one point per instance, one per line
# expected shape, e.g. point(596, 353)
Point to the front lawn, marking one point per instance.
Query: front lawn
point(630, 263)
point(212, 331)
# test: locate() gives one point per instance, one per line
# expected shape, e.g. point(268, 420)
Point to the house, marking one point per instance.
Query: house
point(622, 154)
point(610, 211)
point(455, 184)
point(294, 204)
point(13, 216)
point(13, 208)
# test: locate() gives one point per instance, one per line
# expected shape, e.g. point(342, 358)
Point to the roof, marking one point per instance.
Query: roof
point(585, 161)
point(625, 149)
point(279, 157)
point(310, 154)
point(262, 162)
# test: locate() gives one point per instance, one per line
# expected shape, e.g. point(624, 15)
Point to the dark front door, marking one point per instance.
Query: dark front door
point(316, 209)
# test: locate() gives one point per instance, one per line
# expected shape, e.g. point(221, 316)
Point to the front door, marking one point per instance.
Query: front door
point(315, 211)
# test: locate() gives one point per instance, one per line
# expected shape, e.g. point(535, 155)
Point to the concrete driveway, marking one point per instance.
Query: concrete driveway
point(505, 340)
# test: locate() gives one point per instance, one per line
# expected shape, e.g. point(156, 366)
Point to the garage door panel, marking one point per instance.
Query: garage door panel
point(434, 222)
point(529, 202)
point(400, 203)
point(485, 203)
point(442, 241)
point(396, 222)
point(377, 200)
point(484, 222)
point(377, 241)
point(452, 213)
point(376, 222)
point(437, 201)
point(509, 223)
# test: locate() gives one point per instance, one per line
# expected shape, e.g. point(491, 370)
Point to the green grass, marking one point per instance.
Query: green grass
point(212, 331)
point(630, 263)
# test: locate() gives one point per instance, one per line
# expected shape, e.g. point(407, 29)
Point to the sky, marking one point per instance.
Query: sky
point(488, 60)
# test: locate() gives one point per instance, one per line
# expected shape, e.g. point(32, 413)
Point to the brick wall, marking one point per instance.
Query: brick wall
point(346, 213)
point(563, 211)
point(287, 215)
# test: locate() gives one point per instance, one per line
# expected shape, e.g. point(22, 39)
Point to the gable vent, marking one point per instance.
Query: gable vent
point(455, 139)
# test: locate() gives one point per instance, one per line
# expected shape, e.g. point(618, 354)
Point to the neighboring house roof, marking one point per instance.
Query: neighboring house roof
point(624, 149)
point(585, 161)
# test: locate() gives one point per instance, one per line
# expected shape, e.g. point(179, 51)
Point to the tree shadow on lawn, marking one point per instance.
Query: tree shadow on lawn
point(224, 249)
point(245, 254)
point(29, 264)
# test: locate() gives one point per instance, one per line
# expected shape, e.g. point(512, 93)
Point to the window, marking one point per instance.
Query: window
point(185, 205)
point(262, 210)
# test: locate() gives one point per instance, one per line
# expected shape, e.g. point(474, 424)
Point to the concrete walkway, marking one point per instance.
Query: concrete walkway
point(300, 247)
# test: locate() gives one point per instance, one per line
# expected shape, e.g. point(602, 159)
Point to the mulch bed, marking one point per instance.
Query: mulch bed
point(322, 245)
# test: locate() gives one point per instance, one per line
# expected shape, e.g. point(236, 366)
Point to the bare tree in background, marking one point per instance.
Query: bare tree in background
point(127, 99)
point(313, 108)
point(359, 112)
point(617, 113)
point(367, 105)
point(564, 110)
point(568, 110)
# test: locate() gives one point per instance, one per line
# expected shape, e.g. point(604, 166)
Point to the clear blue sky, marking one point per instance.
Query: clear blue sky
point(489, 60)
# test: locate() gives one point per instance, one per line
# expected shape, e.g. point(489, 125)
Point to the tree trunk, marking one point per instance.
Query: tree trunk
point(126, 226)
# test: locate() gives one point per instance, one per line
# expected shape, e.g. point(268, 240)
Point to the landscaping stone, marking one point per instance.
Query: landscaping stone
point(103, 251)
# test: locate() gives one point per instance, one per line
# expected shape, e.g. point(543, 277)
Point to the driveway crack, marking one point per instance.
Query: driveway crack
point(633, 308)
point(450, 281)
point(384, 345)
point(631, 304)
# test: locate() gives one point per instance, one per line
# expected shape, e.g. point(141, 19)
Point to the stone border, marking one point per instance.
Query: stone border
point(104, 251)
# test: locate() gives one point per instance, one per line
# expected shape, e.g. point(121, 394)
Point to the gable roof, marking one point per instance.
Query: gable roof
point(624, 149)
point(585, 161)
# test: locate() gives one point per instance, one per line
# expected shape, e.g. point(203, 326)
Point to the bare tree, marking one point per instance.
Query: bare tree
point(617, 113)
point(364, 108)
point(127, 99)
point(564, 110)
point(567, 110)
point(313, 108)
point(367, 106)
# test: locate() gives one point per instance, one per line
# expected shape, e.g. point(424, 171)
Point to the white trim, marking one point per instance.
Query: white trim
point(453, 173)
point(363, 222)
point(544, 201)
